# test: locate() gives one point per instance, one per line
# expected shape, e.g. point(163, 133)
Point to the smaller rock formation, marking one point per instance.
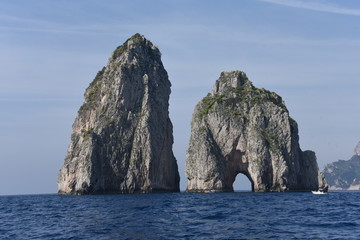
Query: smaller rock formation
point(344, 174)
point(122, 136)
point(238, 128)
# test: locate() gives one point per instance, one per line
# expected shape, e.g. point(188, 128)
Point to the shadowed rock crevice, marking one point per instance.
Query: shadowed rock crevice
point(238, 128)
point(122, 136)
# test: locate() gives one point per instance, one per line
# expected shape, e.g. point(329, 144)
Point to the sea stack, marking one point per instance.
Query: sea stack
point(238, 128)
point(122, 137)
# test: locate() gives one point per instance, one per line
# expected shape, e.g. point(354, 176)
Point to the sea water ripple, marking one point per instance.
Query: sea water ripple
point(182, 216)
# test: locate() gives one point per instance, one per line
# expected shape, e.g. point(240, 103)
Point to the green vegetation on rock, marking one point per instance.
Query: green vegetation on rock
point(239, 100)
point(271, 140)
point(207, 103)
point(121, 49)
point(92, 94)
point(88, 133)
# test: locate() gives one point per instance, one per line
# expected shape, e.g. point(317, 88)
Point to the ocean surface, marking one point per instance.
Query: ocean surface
point(241, 215)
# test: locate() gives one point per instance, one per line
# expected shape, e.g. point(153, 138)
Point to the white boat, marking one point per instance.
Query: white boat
point(318, 192)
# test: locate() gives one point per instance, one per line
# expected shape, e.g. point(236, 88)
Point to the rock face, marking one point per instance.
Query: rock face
point(344, 175)
point(238, 128)
point(122, 138)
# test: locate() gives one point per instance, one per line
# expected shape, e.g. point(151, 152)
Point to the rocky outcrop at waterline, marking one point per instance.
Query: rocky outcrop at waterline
point(122, 138)
point(344, 174)
point(240, 129)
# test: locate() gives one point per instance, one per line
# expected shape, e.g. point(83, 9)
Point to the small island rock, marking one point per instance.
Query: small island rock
point(238, 128)
point(122, 138)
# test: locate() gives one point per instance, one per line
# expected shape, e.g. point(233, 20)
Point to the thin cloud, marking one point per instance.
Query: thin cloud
point(215, 32)
point(316, 6)
point(16, 19)
point(21, 24)
point(40, 100)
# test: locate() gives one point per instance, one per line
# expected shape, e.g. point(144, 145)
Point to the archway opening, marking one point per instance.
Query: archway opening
point(242, 183)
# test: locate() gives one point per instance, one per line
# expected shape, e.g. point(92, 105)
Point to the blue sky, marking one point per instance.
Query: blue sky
point(305, 50)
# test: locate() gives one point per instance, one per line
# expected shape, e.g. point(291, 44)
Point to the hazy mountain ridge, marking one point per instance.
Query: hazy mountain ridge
point(344, 174)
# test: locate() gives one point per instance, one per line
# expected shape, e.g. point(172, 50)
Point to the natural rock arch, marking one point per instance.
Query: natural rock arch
point(234, 167)
point(244, 177)
point(242, 129)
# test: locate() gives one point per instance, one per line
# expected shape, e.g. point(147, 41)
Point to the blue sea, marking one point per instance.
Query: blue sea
point(239, 215)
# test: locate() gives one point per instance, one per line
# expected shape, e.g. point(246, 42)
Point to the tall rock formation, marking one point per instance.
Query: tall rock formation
point(238, 128)
point(344, 174)
point(122, 136)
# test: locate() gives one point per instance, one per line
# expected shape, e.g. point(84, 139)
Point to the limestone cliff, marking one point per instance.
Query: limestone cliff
point(122, 138)
point(344, 174)
point(238, 128)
